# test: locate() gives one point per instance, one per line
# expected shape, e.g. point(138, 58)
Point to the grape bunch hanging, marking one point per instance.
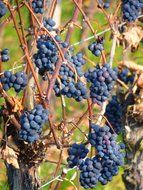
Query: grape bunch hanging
point(105, 164)
point(60, 92)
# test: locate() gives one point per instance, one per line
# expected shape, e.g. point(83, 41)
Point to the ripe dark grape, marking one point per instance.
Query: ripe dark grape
point(49, 24)
point(90, 172)
point(76, 154)
point(102, 167)
point(97, 47)
point(47, 55)
point(78, 61)
point(3, 9)
point(126, 76)
point(105, 4)
point(111, 153)
point(38, 6)
point(102, 81)
point(141, 3)
point(18, 81)
point(68, 86)
point(114, 114)
point(32, 123)
point(4, 54)
point(105, 143)
point(131, 9)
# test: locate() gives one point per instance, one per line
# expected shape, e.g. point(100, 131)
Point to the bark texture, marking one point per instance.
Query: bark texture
point(21, 179)
point(133, 174)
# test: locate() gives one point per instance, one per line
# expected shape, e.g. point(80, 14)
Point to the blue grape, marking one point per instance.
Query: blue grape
point(114, 114)
point(97, 47)
point(49, 24)
point(46, 57)
point(4, 55)
point(18, 81)
point(3, 9)
point(126, 76)
point(76, 154)
point(68, 86)
point(90, 172)
point(78, 61)
point(131, 9)
point(105, 4)
point(110, 154)
point(105, 143)
point(102, 81)
point(32, 123)
point(38, 6)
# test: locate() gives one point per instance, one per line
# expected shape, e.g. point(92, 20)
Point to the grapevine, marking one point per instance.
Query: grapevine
point(71, 94)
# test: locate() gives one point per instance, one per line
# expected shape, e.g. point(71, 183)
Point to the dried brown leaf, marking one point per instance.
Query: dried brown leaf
point(9, 155)
point(140, 81)
point(18, 105)
point(133, 36)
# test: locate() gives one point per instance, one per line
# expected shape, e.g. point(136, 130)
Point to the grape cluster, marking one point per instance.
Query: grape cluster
point(126, 76)
point(110, 167)
point(105, 164)
point(67, 85)
point(37, 6)
point(32, 122)
point(105, 143)
point(141, 3)
point(3, 9)
point(114, 114)
point(105, 4)
point(90, 172)
point(4, 55)
point(102, 167)
point(49, 23)
point(78, 61)
point(77, 152)
point(47, 55)
point(102, 81)
point(131, 9)
point(97, 47)
point(18, 81)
